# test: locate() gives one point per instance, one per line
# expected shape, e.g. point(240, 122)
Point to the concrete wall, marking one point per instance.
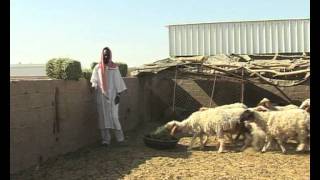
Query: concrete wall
point(43, 125)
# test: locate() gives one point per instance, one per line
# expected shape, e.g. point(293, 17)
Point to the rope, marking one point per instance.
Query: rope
point(174, 89)
point(213, 87)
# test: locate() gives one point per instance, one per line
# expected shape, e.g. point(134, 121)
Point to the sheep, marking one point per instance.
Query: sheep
point(266, 105)
point(228, 106)
point(213, 121)
point(305, 105)
point(290, 106)
point(257, 135)
point(281, 125)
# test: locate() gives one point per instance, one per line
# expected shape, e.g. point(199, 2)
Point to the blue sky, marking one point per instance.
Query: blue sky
point(134, 29)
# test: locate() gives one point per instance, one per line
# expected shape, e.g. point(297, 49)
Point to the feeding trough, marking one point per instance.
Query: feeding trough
point(160, 143)
point(160, 139)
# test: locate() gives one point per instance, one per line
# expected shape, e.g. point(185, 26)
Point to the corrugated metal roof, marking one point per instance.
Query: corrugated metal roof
point(238, 21)
point(246, 37)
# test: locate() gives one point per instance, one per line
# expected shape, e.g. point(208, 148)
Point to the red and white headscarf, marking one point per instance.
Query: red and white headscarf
point(102, 74)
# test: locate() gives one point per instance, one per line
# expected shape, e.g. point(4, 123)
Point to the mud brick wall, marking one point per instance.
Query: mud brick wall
point(52, 117)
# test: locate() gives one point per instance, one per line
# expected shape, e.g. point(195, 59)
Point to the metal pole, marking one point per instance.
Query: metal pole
point(174, 89)
point(242, 86)
point(213, 87)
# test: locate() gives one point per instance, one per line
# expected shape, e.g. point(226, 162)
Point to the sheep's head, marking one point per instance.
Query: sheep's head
point(247, 115)
point(260, 108)
point(306, 105)
point(173, 127)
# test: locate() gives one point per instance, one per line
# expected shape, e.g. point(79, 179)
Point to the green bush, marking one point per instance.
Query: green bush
point(86, 73)
point(63, 68)
point(123, 68)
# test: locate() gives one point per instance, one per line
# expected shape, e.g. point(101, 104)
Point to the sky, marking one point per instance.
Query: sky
point(135, 30)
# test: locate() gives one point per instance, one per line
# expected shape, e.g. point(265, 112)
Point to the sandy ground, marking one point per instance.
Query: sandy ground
point(137, 161)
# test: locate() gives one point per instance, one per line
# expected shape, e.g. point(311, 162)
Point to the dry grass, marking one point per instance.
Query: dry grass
point(139, 162)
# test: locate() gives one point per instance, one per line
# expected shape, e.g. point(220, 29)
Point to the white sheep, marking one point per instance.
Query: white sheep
point(305, 105)
point(227, 106)
point(266, 105)
point(281, 125)
point(290, 106)
point(257, 137)
point(213, 121)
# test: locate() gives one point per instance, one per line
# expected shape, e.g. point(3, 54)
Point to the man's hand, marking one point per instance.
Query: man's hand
point(117, 99)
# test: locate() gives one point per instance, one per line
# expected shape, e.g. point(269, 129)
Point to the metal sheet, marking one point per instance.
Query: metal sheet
point(251, 37)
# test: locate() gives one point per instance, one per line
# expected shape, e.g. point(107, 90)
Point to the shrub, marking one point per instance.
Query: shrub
point(63, 68)
point(86, 73)
point(123, 68)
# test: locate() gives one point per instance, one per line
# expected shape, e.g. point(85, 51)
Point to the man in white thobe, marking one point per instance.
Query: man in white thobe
point(107, 81)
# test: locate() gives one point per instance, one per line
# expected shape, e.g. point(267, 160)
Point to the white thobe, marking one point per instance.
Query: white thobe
point(107, 109)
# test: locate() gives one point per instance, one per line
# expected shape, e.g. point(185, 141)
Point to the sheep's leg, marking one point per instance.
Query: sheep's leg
point(280, 142)
point(256, 142)
point(206, 140)
point(221, 147)
point(247, 141)
point(192, 141)
point(201, 142)
point(302, 140)
point(267, 144)
point(300, 147)
point(229, 135)
point(237, 137)
point(308, 144)
point(215, 138)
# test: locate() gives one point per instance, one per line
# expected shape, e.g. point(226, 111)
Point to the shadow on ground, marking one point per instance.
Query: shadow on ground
point(136, 161)
point(100, 162)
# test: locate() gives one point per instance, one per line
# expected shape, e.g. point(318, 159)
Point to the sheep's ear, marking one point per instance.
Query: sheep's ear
point(308, 109)
point(168, 124)
point(173, 130)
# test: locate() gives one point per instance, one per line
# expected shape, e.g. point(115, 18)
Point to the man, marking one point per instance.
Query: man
point(107, 81)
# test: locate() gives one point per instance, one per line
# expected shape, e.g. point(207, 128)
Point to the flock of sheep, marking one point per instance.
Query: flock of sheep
point(260, 125)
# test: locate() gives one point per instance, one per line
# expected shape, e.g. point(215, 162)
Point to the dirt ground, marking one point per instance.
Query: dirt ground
point(136, 161)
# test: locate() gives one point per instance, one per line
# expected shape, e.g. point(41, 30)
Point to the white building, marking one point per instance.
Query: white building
point(247, 37)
